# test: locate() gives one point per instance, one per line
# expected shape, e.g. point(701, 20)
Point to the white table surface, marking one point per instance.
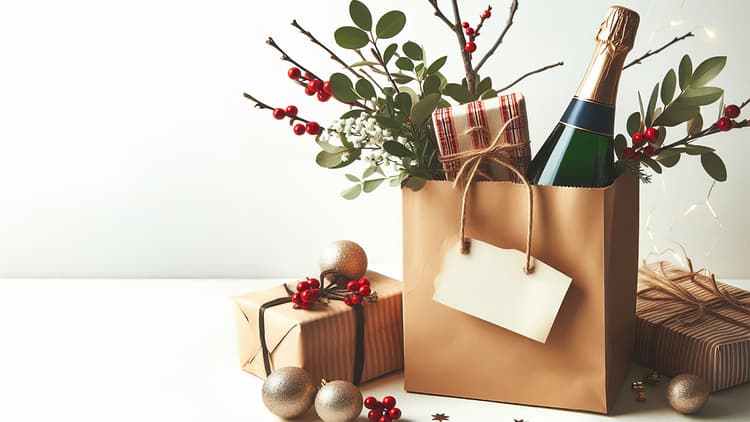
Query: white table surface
point(165, 350)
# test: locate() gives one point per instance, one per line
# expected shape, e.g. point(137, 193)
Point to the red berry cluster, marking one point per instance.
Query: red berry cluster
point(357, 289)
point(308, 291)
point(730, 112)
point(382, 411)
point(470, 45)
point(643, 144)
point(313, 86)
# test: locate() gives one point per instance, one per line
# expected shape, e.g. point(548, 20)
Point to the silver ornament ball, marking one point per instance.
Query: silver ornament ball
point(344, 257)
point(338, 401)
point(288, 392)
point(687, 393)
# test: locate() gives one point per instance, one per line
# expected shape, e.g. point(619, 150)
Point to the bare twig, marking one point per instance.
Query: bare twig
point(286, 57)
point(526, 75)
point(333, 55)
point(261, 104)
point(440, 14)
point(508, 24)
point(744, 103)
point(372, 80)
point(481, 23)
point(650, 53)
point(471, 74)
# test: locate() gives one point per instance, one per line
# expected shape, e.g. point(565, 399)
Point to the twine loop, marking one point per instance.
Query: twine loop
point(499, 151)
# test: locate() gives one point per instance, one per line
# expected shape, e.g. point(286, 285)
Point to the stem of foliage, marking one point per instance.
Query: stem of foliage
point(261, 104)
point(650, 53)
point(508, 24)
point(471, 73)
point(376, 53)
point(708, 131)
point(526, 75)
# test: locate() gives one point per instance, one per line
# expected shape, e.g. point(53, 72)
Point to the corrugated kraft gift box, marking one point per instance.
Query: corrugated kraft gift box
point(589, 234)
point(688, 325)
point(322, 339)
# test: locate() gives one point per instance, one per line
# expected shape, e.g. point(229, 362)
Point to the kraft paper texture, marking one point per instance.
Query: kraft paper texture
point(321, 340)
point(589, 234)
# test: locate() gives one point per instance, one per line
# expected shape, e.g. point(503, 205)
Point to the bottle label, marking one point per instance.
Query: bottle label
point(589, 116)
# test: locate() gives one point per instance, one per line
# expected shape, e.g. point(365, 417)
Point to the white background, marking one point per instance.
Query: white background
point(127, 149)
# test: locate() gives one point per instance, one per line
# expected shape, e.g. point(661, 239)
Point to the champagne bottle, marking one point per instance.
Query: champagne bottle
point(580, 150)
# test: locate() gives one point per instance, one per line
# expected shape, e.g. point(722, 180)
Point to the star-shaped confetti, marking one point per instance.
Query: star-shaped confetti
point(440, 417)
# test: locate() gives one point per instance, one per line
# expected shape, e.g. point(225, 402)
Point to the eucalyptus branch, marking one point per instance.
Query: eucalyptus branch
point(333, 55)
point(508, 24)
point(286, 57)
point(526, 75)
point(708, 131)
point(261, 104)
point(471, 74)
point(650, 53)
point(440, 14)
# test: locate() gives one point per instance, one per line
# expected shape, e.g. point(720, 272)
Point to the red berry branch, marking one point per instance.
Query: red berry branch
point(508, 24)
point(309, 127)
point(723, 124)
point(286, 57)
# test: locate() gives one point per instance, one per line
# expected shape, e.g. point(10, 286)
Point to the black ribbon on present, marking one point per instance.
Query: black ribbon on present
point(333, 291)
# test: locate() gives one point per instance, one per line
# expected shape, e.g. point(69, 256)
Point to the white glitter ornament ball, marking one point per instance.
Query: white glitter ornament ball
point(288, 392)
point(338, 401)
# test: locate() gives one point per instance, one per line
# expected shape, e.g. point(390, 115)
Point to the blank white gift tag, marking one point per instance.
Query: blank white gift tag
point(490, 283)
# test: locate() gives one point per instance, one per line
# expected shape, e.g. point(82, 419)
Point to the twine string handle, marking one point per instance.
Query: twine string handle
point(499, 151)
point(666, 283)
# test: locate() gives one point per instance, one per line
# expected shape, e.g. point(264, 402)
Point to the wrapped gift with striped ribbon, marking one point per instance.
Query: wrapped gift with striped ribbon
point(475, 125)
point(690, 323)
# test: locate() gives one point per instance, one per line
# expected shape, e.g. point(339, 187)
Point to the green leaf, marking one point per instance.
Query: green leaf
point(490, 93)
point(352, 192)
point(372, 184)
point(669, 161)
point(352, 113)
point(419, 70)
point(640, 104)
point(431, 84)
point(662, 136)
point(397, 149)
point(695, 125)
point(413, 50)
point(390, 24)
point(325, 146)
point(364, 63)
point(651, 105)
point(369, 171)
point(484, 85)
point(414, 182)
point(350, 37)
point(459, 93)
point(436, 65)
point(389, 52)
point(402, 78)
point(413, 94)
point(634, 123)
point(360, 14)
point(395, 181)
point(707, 70)
point(714, 166)
point(352, 177)
point(620, 143)
point(422, 110)
point(329, 159)
point(675, 114)
point(652, 163)
point(364, 89)
point(353, 156)
point(668, 87)
point(388, 123)
point(404, 63)
point(403, 99)
point(342, 89)
point(701, 96)
point(692, 149)
point(686, 71)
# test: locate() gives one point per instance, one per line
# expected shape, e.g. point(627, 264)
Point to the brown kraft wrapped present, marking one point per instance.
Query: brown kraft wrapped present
point(589, 234)
point(323, 340)
point(690, 323)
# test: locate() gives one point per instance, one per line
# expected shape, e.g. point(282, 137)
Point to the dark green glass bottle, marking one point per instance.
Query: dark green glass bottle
point(579, 151)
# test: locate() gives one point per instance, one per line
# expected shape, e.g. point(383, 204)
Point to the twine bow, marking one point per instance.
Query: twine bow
point(470, 161)
point(665, 283)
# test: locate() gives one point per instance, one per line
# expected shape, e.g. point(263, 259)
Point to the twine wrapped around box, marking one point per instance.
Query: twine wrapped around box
point(690, 323)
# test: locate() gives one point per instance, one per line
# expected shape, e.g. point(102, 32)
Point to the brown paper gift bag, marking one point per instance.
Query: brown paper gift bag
point(589, 234)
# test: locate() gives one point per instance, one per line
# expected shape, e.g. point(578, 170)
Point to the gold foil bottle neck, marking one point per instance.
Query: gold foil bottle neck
point(618, 28)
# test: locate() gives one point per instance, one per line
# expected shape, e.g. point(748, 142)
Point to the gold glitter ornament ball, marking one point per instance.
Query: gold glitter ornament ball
point(288, 392)
point(338, 401)
point(344, 257)
point(687, 393)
